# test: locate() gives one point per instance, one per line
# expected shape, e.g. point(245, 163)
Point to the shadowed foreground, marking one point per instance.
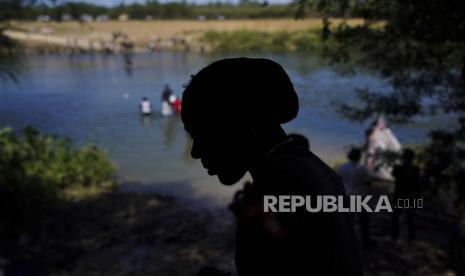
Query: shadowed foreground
point(146, 234)
point(128, 234)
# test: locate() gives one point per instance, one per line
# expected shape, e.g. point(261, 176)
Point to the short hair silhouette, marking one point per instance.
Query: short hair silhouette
point(300, 140)
point(230, 101)
point(253, 92)
point(354, 155)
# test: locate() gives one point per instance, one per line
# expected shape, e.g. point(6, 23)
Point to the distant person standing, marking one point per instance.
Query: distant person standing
point(166, 109)
point(326, 31)
point(407, 188)
point(356, 180)
point(145, 106)
point(166, 94)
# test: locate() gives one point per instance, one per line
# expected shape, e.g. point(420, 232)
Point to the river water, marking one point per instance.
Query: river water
point(95, 98)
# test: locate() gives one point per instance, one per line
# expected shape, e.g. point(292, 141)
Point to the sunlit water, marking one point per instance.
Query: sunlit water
point(94, 98)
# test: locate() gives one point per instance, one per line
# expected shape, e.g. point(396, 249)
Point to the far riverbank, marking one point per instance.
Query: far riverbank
point(285, 35)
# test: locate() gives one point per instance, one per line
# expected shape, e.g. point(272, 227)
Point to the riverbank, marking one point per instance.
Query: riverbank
point(178, 35)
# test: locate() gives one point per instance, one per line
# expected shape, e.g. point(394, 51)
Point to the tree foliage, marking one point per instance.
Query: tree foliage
point(418, 46)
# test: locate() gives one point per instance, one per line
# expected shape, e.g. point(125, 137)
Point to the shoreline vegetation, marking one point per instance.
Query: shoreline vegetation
point(241, 35)
point(41, 173)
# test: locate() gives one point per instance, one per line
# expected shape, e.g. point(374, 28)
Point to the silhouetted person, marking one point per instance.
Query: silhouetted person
point(356, 181)
point(326, 31)
point(233, 110)
point(300, 140)
point(439, 158)
point(407, 187)
point(167, 92)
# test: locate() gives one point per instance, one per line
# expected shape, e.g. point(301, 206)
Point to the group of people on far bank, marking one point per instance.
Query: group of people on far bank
point(170, 104)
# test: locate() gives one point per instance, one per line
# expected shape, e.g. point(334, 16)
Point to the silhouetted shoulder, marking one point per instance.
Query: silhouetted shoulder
point(302, 167)
point(309, 243)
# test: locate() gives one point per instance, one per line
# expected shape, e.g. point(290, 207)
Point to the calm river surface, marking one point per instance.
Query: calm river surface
point(94, 98)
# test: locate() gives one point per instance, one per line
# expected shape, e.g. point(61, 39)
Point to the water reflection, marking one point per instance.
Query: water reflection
point(169, 129)
point(127, 57)
point(146, 120)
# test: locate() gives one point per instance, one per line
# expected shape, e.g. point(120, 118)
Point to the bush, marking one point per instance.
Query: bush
point(38, 172)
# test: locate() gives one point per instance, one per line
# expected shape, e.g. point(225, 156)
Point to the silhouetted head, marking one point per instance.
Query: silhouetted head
point(407, 156)
point(145, 99)
point(354, 155)
point(228, 104)
point(300, 140)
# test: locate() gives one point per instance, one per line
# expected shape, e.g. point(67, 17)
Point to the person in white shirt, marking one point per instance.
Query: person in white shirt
point(145, 106)
point(380, 139)
point(356, 180)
